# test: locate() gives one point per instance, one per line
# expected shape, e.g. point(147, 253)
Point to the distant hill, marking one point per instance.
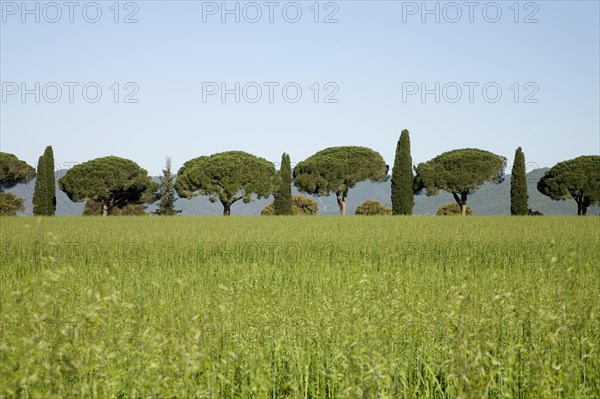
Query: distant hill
point(490, 199)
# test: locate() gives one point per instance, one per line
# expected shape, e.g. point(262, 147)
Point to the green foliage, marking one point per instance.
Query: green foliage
point(50, 181)
point(283, 195)
point(304, 206)
point(452, 209)
point(10, 204)
point(95, 208)
point(268, 210)
point(578, 178)
point(44, 195)
point(301, 206)
point(337, 170)
point(40, 191)
point(300, 308)
point(402, 178)
point(228, 177)
point(13, 171)
point(371, 208)
point(166, 204)
point(459, 172)
point(114, 182)
point(518, 185)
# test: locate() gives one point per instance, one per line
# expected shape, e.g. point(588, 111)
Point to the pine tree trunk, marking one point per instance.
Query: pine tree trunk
point(585, 202)
point(579, 200)
point(461, 201)
point(342, 200)
point(226, 208)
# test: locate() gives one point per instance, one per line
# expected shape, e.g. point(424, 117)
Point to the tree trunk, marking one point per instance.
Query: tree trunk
point(226, 208)
point(461, 201)
point(342, 200)
point(583, 202)
point(104, 208)
point(579, 200)
point(584, 205)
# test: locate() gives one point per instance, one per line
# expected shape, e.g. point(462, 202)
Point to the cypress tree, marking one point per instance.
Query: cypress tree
point(518, 185)
point(44, 196)
point(402, 178)
point(283, 195)
point(166, 204)
point(41, 189)
point(50, 182)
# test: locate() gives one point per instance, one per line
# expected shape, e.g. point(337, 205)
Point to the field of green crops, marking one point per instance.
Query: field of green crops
point(300, 307)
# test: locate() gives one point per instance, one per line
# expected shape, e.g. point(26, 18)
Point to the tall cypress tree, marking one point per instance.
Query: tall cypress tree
point(518, 185)
point(166, 204)
point(50, 182)
point(283, 195)
point(41, 189)
point(402, 178)
point(44, 196)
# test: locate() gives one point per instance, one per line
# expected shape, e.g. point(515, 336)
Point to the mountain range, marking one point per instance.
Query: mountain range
point(490, 199)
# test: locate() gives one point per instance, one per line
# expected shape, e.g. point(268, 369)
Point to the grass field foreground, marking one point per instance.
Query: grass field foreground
point(300, 307)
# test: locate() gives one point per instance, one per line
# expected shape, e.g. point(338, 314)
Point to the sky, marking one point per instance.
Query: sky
point(149, 79)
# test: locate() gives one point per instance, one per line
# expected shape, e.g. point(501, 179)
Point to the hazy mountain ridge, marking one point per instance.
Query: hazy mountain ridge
point(490, 199)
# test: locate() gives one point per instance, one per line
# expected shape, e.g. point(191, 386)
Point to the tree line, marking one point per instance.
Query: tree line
point(113, 185)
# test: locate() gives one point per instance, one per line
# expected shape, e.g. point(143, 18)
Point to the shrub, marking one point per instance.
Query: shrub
point(10, 204)
point(94, 208)
point(300, 206)
point(370, 208)
point(452, 209)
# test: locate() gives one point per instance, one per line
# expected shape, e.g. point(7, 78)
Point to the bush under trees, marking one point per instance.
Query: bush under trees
point(301, 206)
point(453, 209)
point(372, 208)
point(95, 208)
point(10, 204)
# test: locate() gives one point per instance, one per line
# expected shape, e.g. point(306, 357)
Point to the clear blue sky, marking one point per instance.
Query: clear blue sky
point(374, 54)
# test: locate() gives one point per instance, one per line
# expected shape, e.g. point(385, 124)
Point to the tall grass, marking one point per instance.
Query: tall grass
point(387, 307)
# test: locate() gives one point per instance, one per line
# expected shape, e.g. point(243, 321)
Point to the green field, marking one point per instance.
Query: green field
point(313, 307)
